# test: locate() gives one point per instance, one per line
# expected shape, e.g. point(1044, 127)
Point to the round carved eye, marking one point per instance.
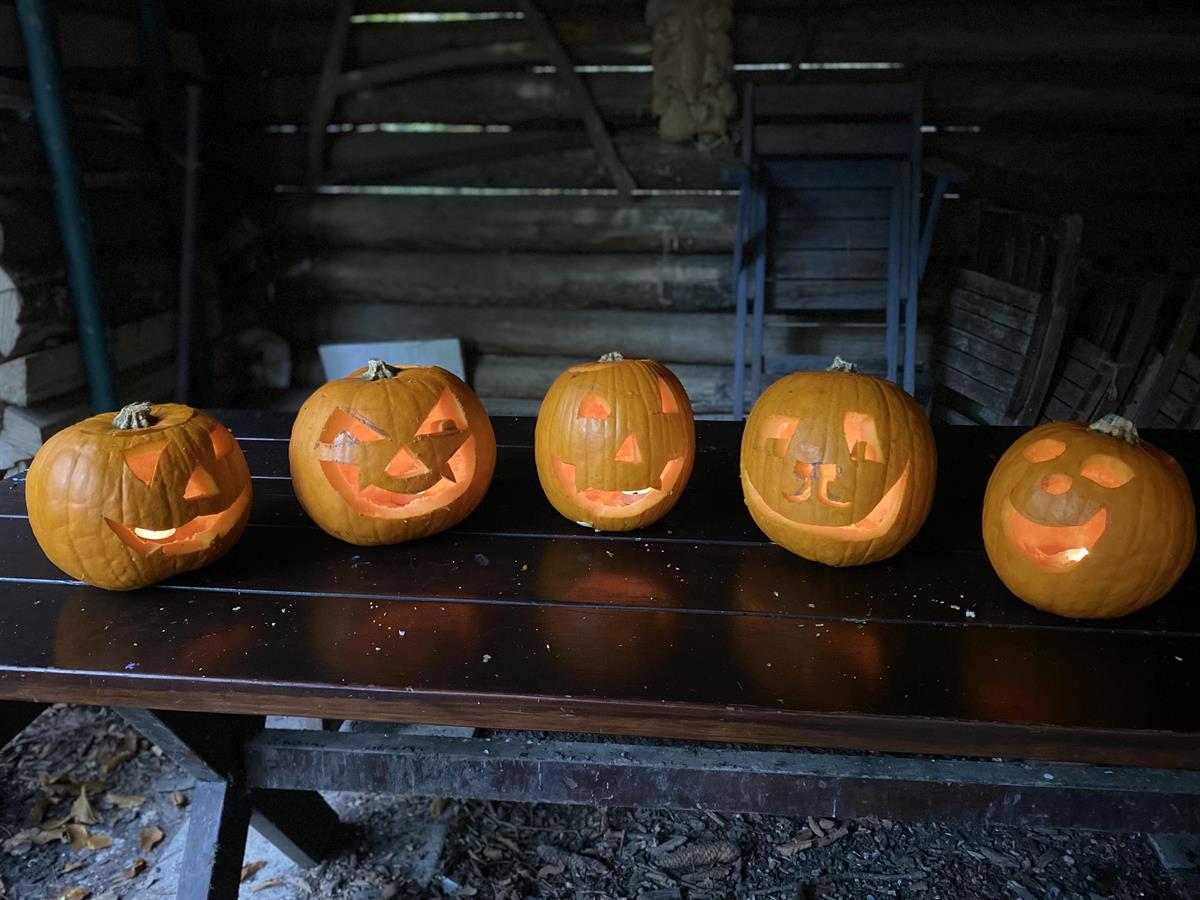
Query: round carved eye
point(1044, 450)
point(1107, 471)
point(593, 406)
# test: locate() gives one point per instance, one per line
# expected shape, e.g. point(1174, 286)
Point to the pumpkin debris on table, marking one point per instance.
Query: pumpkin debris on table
point(615, 442)
point(1088, 521)
point(391, 453)
point(837, 466)
point(124, 502)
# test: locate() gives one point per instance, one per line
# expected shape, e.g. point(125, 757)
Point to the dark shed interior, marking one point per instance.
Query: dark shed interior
point(413, 169)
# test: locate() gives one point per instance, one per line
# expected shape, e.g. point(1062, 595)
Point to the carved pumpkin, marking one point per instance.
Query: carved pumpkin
point(391, 453)
point(1088, 521)
point(837, 466)
point(615, 443)
point(124, 502)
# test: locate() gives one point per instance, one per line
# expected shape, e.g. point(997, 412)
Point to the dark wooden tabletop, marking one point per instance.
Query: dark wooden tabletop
point(694, 628)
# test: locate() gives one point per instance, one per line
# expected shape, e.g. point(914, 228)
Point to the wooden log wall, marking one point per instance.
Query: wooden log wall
point(42, 382)
point(465, 198)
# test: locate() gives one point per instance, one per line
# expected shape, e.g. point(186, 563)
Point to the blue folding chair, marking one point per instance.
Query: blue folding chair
point(829, 218)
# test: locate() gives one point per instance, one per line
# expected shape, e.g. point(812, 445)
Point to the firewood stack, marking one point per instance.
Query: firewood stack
point(42, 378)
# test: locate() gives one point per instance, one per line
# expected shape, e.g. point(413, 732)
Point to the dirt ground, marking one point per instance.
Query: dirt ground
point(89, 810)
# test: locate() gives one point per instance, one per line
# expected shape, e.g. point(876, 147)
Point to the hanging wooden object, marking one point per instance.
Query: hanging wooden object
point(693, 68)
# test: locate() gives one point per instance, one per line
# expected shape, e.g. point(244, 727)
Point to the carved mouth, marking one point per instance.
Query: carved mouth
point(197, 533)
point(874, 524)
point(623, 503)
point(381, 503)
point(1056, 548)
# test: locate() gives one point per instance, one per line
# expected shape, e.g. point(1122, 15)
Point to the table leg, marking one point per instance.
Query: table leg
point(211, 748)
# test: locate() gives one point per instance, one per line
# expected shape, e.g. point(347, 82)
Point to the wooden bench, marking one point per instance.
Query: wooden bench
point(909, 679)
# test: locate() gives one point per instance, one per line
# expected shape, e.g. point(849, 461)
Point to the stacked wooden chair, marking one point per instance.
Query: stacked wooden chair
point(829, 221)
point(1115, 321)
point(1167, 389)
point(996, 347)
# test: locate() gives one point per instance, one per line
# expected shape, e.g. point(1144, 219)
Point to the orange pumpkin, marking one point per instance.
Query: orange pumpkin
point(391, 453)
point(837, 466)
point(615, 442)
point(1088, 521)
point(127, 501)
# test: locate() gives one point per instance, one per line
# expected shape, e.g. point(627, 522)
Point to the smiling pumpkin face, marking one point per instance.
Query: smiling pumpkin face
point(838, 467)
point(122, 503)
point(1088, 521)
point(391, 453)
point(615, 443)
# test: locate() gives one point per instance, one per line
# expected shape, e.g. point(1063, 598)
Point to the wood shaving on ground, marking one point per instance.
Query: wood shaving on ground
point(150, 837)
point(124, 801)
point(128, 749)
point(266, 885)
point(134, 869)
point(249, 870)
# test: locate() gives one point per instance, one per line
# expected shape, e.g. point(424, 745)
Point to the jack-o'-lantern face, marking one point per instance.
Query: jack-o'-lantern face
point(164, 491)
point(615, 443)
point(837, 466)
point(1086, 522)
point(391, 453)
point(399, 475)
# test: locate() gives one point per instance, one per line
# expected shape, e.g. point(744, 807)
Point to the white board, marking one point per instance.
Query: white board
point(339, 360)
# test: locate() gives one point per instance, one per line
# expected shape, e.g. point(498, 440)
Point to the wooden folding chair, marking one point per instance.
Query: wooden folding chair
point(995, 351)
point(1165, 391)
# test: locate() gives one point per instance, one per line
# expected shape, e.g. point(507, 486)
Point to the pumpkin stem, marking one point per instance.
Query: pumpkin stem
point(841, 365)
point(377, 370)
point(135, 415)
point(1118, 427)
point(612, 356)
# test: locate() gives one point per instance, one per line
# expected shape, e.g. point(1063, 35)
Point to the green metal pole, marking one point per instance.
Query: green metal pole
point(37, 27)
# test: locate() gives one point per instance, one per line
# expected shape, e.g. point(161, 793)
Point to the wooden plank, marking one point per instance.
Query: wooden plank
point(669, 336)
point(1191, 366)
point(841, 294)
point(795, 783)
point(985, 329)
point(25, 380)
point(836, 100)
point(709, 387)
point(850, 203)
point(829, 234)
point(641, 281)
point(1005, 292)
point(680, 225)
point(541, 160)
point(829, 264)
point(966, 32)
point(992, 310)
point(1002, 357)
point(969, 377)
point(836, 139)
point(1169, 369)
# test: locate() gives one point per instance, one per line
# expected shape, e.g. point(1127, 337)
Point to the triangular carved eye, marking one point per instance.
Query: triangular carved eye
point(200, 485)
point(222, 441)
point(593, 406)
point(143, 460)
point(446, 416)
point(341, 422)
point(669, 404)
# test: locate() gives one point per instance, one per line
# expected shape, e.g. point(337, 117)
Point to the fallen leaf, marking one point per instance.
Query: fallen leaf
point(134, 869)
point(82, 811)
point(150, 837)
point(249, 870)
point(124, 801)
point(37, 815)
point(179, 798)
point(128, 749)
point(72, 866)
point(75, 893)
point(269, 883)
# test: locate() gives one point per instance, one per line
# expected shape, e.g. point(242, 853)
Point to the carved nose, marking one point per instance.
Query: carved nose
point(1056, 483)
point(200, 485)
point(629, 451)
